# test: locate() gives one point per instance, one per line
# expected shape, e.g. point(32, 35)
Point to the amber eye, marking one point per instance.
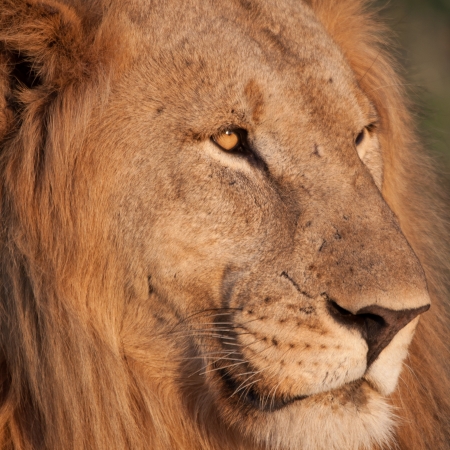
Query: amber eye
point(228, 140)
point(360, 137)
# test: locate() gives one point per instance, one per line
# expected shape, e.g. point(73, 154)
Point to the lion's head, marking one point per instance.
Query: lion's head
point(199, 249)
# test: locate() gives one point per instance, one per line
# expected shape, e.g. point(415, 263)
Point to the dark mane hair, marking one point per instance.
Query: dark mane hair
point(53, 279)
point(53, 73)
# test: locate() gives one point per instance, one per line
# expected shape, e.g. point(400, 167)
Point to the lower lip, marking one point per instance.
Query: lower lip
point(252, 398)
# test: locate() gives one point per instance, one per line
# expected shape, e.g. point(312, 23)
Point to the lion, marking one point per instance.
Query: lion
point(219, 230)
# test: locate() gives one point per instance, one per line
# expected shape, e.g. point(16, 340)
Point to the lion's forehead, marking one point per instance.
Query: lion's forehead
point(212, 62)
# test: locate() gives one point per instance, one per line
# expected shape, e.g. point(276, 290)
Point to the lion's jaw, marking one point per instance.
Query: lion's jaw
point(350, 415)
point(321, 420)
point(306, 390)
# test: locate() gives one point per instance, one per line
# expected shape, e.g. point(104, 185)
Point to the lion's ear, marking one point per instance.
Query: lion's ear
point(43, 46)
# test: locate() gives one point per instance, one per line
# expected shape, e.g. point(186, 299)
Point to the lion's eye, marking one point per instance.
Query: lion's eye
point(235, 142)
point(228, 140)
point(360, 137)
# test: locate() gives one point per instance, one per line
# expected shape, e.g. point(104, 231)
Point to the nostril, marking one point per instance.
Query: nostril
point(377, 325)
point(371, 326)
point(368, 324)
point(390, 322)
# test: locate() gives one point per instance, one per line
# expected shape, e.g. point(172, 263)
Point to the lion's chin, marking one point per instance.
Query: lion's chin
point(316, 422)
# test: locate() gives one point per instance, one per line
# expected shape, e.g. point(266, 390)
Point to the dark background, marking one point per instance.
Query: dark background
point(422, 30)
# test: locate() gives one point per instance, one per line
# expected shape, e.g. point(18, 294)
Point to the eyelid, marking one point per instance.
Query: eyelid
point(372, 126)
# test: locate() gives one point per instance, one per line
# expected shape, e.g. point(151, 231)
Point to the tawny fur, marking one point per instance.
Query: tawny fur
point(74, 325)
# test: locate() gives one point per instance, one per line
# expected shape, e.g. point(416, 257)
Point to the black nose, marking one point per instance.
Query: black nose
point(376, 324)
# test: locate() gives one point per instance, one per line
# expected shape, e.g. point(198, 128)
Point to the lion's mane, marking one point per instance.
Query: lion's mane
point(64, 379)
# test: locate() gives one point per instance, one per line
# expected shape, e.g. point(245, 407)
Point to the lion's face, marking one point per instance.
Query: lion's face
point(249, 197)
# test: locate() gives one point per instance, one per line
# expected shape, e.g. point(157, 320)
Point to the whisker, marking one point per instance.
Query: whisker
point(213, 330)
point(370, 67)
point(218, 355)
point(390, 85)
point(253, 374)
point(205, 333)
point(232, 344)
point(203, 330)
point(272, 402)
point(225, 359)
point(224, 367)
point(207, 354)
point(206, 311)
point(216, 323)
point(243, 387)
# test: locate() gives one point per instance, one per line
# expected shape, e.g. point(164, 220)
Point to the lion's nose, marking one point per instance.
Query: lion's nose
point(376, 324)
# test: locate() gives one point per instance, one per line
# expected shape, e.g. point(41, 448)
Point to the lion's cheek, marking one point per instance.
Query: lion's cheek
point(384, 372)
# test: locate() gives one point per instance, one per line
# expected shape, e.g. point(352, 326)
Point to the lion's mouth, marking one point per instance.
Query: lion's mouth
point(252, 397)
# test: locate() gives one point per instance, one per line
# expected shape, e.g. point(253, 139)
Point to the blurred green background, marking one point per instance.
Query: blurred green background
point(422, 28)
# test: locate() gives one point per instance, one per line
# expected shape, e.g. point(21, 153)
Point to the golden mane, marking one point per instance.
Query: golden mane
point(61, 295)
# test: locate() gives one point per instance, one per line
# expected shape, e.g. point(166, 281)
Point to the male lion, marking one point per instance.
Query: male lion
point(204, 207)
